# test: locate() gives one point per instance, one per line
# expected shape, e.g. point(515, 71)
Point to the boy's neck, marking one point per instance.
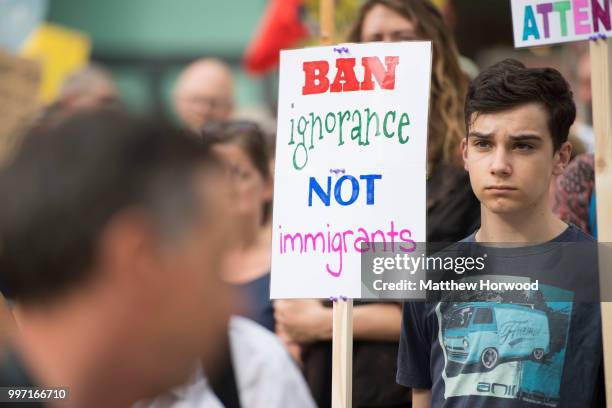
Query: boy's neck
point(533, 226)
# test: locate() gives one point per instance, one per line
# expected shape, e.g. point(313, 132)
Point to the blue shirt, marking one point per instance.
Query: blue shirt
point(259, 305)
point(526, 348)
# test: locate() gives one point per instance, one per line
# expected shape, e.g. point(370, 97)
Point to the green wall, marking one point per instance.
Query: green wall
point(137, 37)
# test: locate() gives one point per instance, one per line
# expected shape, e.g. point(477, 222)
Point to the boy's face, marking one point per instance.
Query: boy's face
point(509, 156)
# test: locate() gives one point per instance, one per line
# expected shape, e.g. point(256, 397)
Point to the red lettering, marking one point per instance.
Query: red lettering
point(345, 80)
point(317, 82)
point(385, 78)
point(315, 78)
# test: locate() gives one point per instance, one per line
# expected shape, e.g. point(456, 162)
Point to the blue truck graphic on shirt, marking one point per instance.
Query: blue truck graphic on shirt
point(486, 333)
point(512, 347)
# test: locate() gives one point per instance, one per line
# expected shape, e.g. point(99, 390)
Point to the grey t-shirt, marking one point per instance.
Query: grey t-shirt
point(514, 349)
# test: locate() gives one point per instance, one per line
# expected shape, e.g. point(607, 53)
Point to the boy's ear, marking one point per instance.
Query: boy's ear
point(562, 158)
point(464, 153)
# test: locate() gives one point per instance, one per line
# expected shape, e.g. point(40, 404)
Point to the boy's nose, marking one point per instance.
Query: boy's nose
point(501, 163)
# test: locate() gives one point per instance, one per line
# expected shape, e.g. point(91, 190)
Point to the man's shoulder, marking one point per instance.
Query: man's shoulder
point(251, 340)
point(12, 371)
point(264, 367)
point(14, 374)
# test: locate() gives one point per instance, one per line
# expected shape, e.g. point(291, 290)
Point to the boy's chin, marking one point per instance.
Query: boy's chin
point(503, 207)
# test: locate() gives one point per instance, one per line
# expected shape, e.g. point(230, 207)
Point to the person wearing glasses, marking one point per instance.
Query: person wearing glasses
point(242, 148)
point(204, 92)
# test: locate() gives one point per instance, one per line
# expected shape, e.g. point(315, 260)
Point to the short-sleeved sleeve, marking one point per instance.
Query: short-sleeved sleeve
point(413, 364)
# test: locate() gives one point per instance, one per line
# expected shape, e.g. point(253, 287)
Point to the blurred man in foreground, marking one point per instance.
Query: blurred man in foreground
point(111, 235)
point(204, 92)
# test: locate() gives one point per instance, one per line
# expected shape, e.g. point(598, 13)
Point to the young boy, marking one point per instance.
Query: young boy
point(513, 348)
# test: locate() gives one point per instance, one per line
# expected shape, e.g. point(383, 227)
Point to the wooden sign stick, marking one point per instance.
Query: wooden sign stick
point(342, 341)
point(342, 354)
point(326, 21)
point(601, 84)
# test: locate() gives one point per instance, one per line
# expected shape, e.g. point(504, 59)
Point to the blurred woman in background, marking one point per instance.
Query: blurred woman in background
point(452, 213)
point(243, 148)
point(452, 209)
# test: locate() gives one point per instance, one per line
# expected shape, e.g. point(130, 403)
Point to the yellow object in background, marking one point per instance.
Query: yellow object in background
point(440, 3)
point(61, 51)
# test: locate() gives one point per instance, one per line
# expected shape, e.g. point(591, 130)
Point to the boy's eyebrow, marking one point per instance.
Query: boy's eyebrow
point(525, 137)
point(480, 135)
point(514, 138)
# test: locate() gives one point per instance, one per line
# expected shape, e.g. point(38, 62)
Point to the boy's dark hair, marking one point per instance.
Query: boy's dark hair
point(66, 183)
point(509, 84)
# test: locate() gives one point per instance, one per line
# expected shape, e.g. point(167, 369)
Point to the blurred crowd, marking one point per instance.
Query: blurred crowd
point(135, 254)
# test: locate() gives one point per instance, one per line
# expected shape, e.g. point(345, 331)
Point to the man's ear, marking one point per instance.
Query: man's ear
point(562, 158)
point(464, 153)
point(128, 247)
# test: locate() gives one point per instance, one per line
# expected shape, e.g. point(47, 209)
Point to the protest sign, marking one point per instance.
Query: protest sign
point(542, 22)
point(350, 162)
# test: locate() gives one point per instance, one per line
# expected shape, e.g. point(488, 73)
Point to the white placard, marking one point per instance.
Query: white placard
point(350, 162)
point(542, 22)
